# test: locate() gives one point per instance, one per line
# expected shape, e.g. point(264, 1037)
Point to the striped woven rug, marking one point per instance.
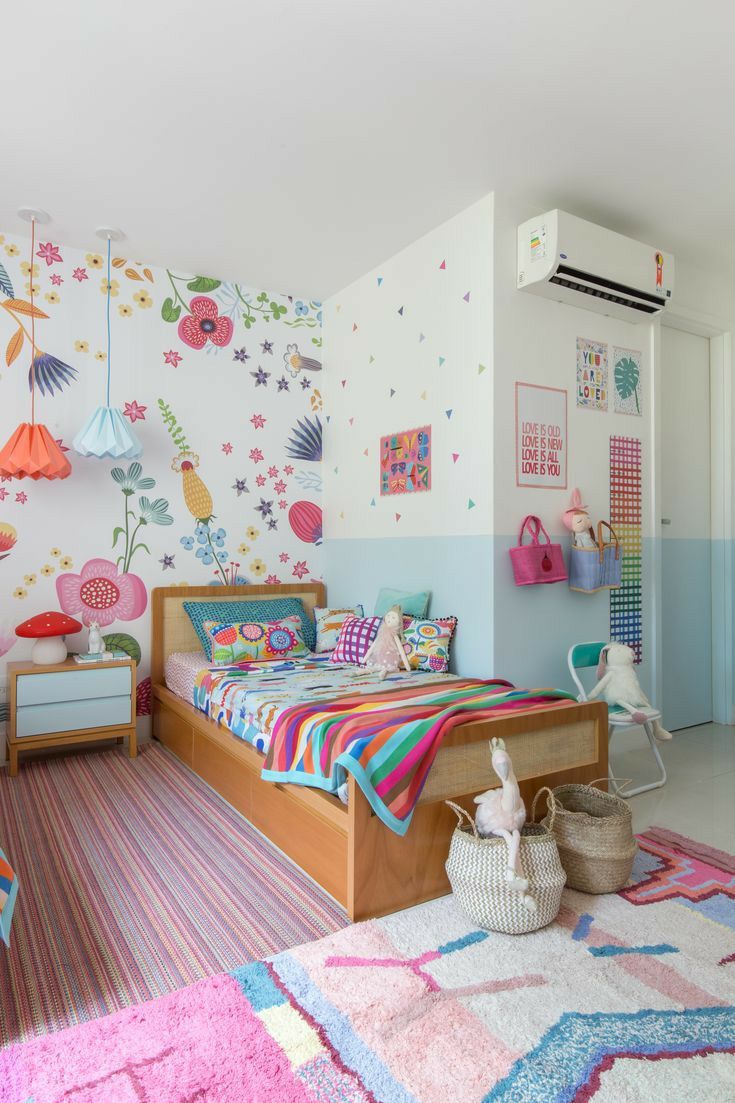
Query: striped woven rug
point(136, 879)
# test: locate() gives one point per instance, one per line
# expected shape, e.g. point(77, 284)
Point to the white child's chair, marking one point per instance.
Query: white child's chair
point(581, 656)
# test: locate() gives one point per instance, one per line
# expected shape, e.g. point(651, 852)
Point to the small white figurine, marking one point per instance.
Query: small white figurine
point(579, 523)
point(502, 812)
point(386, 653)
point(618, 685)
point(95, 644)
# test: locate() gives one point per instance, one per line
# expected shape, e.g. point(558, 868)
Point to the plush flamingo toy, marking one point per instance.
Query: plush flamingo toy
point(502, 812)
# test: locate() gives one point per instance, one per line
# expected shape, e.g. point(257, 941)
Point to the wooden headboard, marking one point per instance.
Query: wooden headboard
point(173, 631)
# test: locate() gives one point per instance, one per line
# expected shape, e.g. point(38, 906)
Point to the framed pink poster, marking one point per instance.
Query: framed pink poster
point(541, 436)
point(405, 461)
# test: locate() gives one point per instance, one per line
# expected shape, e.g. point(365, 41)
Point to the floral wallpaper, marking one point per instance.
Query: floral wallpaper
point(223, 385)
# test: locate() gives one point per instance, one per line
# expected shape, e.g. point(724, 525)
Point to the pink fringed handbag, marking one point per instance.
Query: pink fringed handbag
point(537, 563)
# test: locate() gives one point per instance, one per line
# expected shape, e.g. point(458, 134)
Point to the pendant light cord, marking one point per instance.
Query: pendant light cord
point(109, 353)
point(33, 327)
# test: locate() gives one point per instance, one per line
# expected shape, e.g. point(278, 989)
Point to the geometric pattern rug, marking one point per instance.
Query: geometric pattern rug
point(626, 998)
point(135, 879)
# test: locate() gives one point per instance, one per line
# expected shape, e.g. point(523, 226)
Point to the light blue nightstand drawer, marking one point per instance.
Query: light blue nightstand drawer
point(64, 716)
point(72, 685)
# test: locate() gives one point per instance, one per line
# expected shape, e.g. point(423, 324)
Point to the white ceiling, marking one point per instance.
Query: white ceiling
point(294, 144)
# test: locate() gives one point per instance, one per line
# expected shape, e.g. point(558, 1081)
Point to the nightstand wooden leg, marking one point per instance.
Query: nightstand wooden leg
point(13, 761)
point(133, 744)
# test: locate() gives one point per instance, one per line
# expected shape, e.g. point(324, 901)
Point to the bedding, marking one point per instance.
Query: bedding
point(250, 697)
point(255, 641)
point(354, 641)
point(427, 642)
point(389, 741)
point(329, 624)
point(265, 610)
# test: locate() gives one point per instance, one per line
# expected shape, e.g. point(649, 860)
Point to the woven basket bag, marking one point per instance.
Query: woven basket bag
point(476, 870)
point(594, 834)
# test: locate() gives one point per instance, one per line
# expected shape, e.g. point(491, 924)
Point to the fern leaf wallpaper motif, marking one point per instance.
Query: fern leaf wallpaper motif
point(628, 384)
point(223, 383)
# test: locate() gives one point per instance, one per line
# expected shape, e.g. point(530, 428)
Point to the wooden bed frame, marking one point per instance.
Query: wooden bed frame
point(364, 865)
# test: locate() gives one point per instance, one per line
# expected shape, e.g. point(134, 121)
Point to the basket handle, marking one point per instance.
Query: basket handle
point(461, 815)
point(535, 528)
point(552, 804)
point(601, 541)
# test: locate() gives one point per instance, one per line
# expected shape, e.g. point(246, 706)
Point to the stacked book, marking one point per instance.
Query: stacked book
point(101, 656)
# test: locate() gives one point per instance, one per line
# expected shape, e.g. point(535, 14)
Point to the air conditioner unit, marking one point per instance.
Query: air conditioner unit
point(565, 258)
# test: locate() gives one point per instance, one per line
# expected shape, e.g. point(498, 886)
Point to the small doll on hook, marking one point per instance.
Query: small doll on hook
point(579, 523)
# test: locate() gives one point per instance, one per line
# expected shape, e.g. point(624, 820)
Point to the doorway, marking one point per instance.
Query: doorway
point(685, 530)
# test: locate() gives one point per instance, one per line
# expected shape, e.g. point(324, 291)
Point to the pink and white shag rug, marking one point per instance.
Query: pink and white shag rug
point(624, 999)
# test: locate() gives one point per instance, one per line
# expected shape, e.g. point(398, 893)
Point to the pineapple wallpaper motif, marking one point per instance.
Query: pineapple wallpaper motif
point(224, 387)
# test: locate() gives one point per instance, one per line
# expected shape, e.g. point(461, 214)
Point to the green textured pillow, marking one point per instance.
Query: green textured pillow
point(415, 605)
point(231, 611)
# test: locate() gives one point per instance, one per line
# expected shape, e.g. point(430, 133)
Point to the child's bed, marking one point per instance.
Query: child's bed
point(346, 847)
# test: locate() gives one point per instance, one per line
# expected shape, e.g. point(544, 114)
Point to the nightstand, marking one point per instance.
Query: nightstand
point(55, 706)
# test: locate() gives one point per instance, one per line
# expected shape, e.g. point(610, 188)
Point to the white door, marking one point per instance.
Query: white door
point(686, 584)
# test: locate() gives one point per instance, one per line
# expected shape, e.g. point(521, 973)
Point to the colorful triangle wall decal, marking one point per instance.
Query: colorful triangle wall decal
point(443, 265)
point(398, 517)
point(380, 280)
point(344, 382)
point(392, 392)
point(449, 414)
point(423, 395)
point(372, 503)
point(365, 452)
point(354, 326)
point(481, 368)
point(400, 310)
point(371, 359)
point(441, 361)
point(421, 337)
point(466, 297)
point(455, 456)
point(470, 504)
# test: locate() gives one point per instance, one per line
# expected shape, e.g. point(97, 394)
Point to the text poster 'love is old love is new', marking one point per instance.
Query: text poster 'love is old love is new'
point(541, 436)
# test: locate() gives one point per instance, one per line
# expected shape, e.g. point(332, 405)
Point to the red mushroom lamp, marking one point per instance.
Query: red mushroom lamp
point(48, 630)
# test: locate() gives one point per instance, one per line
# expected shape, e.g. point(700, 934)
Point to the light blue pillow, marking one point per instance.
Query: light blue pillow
point(231, 612)
point(414, 605)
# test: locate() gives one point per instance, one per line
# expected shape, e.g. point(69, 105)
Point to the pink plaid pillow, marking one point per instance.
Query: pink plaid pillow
point(355, 638)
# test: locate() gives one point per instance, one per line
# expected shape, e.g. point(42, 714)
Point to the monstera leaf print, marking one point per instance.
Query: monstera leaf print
point(627, 378)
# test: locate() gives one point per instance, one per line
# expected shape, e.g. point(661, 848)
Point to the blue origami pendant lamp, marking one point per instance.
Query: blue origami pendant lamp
point(107, 435)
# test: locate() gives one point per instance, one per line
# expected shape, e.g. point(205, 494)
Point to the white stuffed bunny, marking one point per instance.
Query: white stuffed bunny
point(96, 644)
point(618, 685)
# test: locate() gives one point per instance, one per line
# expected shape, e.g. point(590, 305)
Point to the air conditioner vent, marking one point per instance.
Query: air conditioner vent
point(599, 293)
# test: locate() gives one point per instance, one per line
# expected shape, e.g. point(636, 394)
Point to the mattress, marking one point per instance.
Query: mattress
point(180, 672)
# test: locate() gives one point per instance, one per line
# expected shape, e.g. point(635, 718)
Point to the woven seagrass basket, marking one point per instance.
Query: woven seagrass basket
point(594, 834)
point(476, 870)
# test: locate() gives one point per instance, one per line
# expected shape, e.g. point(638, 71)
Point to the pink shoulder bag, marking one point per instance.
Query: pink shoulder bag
point(537, 563)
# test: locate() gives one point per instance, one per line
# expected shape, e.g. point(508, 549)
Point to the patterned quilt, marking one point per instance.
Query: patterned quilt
point(249, 698)
point(388, 741)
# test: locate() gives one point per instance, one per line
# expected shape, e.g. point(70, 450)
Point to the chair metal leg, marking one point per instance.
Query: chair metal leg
point(660, 780)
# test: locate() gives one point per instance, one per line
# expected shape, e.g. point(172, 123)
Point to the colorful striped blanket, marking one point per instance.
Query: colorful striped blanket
point(387, 742)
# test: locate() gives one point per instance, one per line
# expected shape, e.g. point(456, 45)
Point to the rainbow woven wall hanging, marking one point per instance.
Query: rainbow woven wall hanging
point(626, 517)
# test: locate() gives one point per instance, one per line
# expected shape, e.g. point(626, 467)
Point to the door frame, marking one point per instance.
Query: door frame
point(722, 409)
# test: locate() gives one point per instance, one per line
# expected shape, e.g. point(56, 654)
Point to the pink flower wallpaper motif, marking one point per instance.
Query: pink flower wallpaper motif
point(101, 593)
point(204, 324)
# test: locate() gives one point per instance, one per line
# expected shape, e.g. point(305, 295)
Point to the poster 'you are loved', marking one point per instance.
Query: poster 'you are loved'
point(591, 374)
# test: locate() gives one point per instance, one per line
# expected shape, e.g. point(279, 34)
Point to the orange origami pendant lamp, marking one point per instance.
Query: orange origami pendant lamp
point(32, 452)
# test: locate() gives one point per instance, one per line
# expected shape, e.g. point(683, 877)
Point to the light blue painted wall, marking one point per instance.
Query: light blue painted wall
point(536, 625)
point(457, 570)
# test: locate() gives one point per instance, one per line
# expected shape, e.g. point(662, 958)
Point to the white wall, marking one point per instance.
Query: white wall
point(388, 371)
point(535, 342)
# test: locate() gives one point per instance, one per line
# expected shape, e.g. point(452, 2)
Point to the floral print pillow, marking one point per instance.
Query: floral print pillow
point(427, 643)
point(255, 641)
